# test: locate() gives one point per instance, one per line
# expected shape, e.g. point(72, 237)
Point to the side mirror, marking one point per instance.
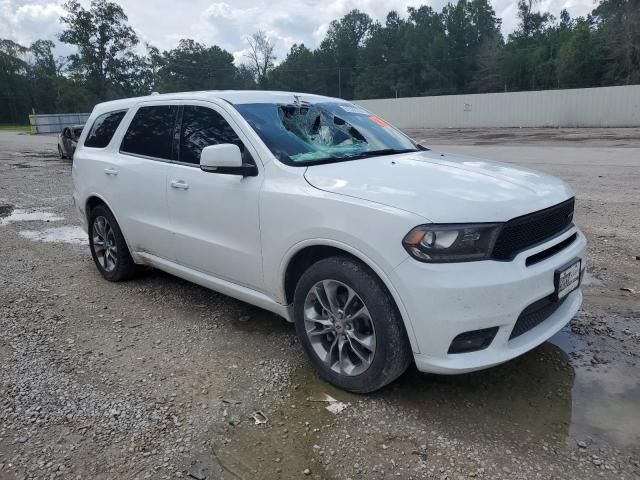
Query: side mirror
point(225, 158)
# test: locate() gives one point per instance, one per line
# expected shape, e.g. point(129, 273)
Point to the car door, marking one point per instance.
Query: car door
point(215, 216)
point(137, 172)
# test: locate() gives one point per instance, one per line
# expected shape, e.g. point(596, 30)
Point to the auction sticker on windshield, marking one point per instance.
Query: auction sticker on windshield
point(354, 109)
point(567, 279)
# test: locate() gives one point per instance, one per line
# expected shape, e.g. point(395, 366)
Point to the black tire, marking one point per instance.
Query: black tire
point(124, 267)
point(60, 154)
point(392, 352)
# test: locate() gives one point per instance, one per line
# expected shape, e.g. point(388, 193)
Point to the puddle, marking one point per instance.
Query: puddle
point(542, 396)
point(550, 394)
point(74, 235)
point(606, 405)
point(284, 446)
point(566, 341)
point(527, 397)
point(605, 399)
point(20, 215)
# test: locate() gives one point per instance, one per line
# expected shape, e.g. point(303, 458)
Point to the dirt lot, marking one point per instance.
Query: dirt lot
point(157, 378)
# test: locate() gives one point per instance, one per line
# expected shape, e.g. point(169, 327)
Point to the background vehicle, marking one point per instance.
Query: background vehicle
point(68, 140)
point(379, 250)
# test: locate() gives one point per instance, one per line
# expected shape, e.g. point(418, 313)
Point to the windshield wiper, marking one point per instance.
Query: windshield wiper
point(358, 156)
point(379, 153)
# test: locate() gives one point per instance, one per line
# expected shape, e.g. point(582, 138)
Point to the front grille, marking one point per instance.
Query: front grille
point(534, 315)
point(524, 232)
point(551, 251)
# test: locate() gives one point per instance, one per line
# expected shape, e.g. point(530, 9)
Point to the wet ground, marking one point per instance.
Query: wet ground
point(159, 378)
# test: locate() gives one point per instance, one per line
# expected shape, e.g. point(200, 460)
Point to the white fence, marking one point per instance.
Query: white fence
point(54, 123)
point(585, 107)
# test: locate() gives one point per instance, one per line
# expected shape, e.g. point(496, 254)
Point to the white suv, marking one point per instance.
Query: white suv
point(381, 251)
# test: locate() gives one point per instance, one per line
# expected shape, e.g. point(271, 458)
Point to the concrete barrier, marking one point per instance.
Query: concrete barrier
point(54, 123)
point(584, 107)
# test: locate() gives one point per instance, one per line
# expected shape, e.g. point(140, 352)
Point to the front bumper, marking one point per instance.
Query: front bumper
point(445, 300)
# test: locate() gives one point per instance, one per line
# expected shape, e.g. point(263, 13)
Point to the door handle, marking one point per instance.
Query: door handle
point(179, 184)
point(111, 171)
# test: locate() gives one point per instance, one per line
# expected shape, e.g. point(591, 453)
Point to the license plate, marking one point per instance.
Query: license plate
point(567, 279)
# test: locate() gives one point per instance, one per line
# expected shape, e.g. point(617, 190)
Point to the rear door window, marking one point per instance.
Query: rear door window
point(201, 127)
point(151, 132)
point(103, 129)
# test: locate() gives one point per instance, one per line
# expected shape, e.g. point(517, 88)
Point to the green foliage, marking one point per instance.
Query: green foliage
point(193, 66)
point(424, 52)
point(618, 34)
point(105, 62)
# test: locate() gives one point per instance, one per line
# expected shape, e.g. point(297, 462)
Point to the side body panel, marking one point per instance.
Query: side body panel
point(133, 187)
point(216, 217)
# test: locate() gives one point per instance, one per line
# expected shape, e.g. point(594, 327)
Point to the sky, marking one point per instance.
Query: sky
point(228, 24)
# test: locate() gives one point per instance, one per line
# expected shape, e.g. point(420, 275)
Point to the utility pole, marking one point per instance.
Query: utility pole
point(339, 84)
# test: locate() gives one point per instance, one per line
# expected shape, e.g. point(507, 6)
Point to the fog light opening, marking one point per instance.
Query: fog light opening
point(473, 340)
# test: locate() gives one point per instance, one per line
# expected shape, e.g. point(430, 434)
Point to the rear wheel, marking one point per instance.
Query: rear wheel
point(108, 247)
point(349, 326)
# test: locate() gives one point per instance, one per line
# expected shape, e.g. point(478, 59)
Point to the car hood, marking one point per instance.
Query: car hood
point(442, 188)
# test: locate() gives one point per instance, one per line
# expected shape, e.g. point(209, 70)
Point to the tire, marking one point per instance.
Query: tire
point(359, 373)
point(60, 154)
point(104, 232)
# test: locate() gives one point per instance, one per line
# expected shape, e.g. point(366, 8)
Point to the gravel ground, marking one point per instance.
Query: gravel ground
point(159, 378)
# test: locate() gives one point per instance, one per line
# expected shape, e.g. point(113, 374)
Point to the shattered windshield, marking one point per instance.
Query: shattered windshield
point(303, 133)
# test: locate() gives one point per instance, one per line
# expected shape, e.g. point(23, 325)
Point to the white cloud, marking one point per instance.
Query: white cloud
point(228, 24)
point(26, 22)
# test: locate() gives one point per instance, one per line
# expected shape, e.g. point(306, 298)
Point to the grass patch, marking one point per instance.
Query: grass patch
point(14, 128)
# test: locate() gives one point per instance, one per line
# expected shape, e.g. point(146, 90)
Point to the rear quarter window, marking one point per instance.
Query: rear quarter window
point(103, 129)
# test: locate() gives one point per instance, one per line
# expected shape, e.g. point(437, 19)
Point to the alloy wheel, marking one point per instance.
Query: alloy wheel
point(339, 327)
point(104, 244)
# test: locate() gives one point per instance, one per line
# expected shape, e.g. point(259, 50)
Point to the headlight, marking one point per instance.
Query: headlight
point(452, 243)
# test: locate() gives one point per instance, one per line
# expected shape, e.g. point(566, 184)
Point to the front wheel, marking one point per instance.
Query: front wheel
point(349, 325)
point(60, 153)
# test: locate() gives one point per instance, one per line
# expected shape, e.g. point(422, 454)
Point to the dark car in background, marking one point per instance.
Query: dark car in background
point(68, 139)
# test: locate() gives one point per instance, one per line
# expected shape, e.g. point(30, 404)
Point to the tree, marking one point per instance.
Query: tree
point(383, 71)
point(471, 26)
point(42, 75)
point(532, 24)
point(14, 100)
point(426, 47)
point(261, 56)
point(618, 24)
point(488, 75)
point(194, 66)
point(578, 64)
point(529, 57)
point(153, 62)
point(338, 52)
point(297, 72)
point(423, 52)
point(105, 61)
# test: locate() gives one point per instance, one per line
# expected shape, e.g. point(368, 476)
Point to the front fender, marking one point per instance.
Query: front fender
point(313, 242)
